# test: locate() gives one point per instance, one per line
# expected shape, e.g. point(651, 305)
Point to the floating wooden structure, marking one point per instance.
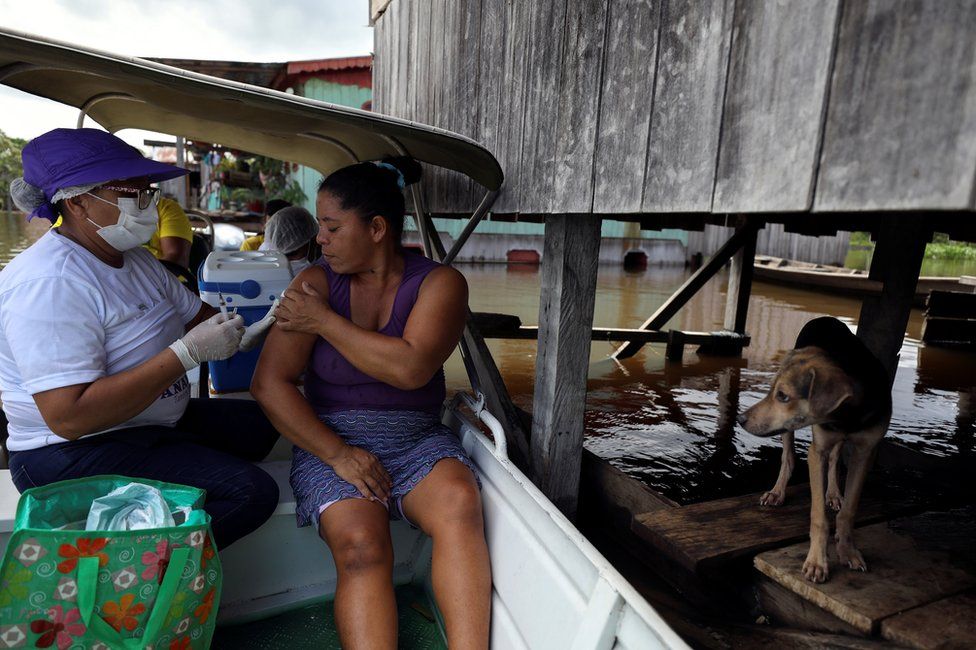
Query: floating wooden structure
point(950, 320)
point(815, 118)
point(823, 117)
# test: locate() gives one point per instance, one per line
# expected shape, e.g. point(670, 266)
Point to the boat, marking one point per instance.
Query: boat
point(551, 587)
point(837, 279)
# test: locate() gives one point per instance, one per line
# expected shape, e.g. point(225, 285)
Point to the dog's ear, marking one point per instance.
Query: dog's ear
point(806, 383)
point(827, 390)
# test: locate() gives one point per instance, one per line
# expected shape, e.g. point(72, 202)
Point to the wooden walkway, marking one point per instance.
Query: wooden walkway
point(733, 559)
point(920, 591)
point(711, 534)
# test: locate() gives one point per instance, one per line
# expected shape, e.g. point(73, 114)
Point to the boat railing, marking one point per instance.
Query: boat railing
point(479, 407)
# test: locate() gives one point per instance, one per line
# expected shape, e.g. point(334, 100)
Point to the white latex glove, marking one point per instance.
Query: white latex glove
point(255, 332)
point(214, 339)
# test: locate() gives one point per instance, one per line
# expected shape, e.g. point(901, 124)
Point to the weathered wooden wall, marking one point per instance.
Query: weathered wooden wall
point(622, 107)
point(773, 240)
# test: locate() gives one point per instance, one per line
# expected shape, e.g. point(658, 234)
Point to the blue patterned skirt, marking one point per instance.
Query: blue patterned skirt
point(407, 443)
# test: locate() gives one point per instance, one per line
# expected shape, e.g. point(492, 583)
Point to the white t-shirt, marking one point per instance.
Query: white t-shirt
point(68, 318)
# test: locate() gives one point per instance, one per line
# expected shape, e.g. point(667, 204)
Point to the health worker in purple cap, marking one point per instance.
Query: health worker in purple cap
point(96, 338)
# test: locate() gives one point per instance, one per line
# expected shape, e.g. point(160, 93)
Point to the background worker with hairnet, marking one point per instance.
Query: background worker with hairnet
point(292, 231)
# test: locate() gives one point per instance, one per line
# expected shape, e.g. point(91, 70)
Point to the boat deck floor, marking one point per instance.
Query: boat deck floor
point(314, 626)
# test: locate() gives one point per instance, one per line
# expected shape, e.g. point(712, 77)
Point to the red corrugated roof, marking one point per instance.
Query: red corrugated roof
point(318, 65)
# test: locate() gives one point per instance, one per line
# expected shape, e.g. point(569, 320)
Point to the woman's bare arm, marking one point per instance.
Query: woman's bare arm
point(433, 330)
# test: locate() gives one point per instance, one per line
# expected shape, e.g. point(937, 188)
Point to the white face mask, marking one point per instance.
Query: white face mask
point(297, 266)
point(134, 228)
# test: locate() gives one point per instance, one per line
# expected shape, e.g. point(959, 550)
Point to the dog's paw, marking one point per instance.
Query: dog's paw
point(815, 568)
point(835, 501)
point(772, 498)
point(851, 557)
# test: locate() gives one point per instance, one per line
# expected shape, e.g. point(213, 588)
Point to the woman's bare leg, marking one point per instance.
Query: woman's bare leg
point(446, 504)
point(358, 532)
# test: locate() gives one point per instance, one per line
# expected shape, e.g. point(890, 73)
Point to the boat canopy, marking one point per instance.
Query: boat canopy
point(122, 92)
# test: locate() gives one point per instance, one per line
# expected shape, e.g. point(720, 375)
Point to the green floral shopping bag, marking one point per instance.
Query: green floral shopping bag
point(85, 589)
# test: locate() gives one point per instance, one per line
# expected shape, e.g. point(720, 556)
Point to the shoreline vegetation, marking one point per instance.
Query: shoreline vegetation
point(940, 248)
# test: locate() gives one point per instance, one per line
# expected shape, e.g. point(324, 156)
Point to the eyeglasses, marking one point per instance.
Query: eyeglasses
point(144, 198)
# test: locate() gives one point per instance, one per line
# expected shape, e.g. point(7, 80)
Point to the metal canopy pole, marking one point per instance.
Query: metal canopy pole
point(91, 101)
point(483, 207)
point(334, 142)
point(483, 374)
point(423, 226)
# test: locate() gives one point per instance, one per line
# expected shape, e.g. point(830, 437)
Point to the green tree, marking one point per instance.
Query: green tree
point(273, 175)
point(10, 168)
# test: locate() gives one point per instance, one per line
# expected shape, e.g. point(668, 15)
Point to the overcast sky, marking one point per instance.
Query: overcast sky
point(234, 30)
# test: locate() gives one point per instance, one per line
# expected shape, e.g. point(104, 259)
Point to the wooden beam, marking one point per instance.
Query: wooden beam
point(897, 262)
point(740, 285)
point(691, 286)
point(569, 269)
point(531, 332)
point(716, 339)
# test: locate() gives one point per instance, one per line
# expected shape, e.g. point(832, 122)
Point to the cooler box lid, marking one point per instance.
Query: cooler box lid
point(252, 275)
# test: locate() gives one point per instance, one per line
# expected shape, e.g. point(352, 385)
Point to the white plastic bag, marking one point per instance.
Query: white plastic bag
point(134, 506)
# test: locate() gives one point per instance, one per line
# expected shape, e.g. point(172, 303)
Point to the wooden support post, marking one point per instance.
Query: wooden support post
point(740, 284)
point(897, 262)
point(569, 268)
point(675, 350)
point(691, 286)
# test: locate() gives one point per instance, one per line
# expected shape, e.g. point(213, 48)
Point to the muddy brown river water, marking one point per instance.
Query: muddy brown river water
point(670, 425)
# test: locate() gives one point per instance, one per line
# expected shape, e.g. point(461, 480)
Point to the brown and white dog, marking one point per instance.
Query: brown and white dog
point(831, 382)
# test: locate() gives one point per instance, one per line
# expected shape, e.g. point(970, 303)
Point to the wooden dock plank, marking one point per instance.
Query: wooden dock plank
point(708, 534)
point(926, 627)
point(912, 561)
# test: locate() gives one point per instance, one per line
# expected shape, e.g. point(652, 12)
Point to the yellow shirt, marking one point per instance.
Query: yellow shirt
point(173, 222)
point(252, 243)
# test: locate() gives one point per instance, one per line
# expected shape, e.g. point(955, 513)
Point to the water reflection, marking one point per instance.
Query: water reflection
point(672, 425)
point(16, 234)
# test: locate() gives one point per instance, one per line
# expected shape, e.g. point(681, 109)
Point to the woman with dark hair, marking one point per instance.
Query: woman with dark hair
point(371, 325)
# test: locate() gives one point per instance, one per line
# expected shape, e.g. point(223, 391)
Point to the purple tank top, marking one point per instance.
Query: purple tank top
point(332, 383)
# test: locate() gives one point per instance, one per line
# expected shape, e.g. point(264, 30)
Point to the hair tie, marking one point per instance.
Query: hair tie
point(401, 181)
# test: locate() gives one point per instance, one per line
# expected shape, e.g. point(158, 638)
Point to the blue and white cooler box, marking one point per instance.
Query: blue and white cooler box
point(249, 281)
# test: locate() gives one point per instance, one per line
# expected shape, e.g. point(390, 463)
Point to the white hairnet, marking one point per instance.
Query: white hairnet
point(27, 197)
point(289, 229)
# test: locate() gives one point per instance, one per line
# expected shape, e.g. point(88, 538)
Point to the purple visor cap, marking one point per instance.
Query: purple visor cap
point(68, 157)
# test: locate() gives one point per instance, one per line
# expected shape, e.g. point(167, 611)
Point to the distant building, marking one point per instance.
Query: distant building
point(345, 81)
